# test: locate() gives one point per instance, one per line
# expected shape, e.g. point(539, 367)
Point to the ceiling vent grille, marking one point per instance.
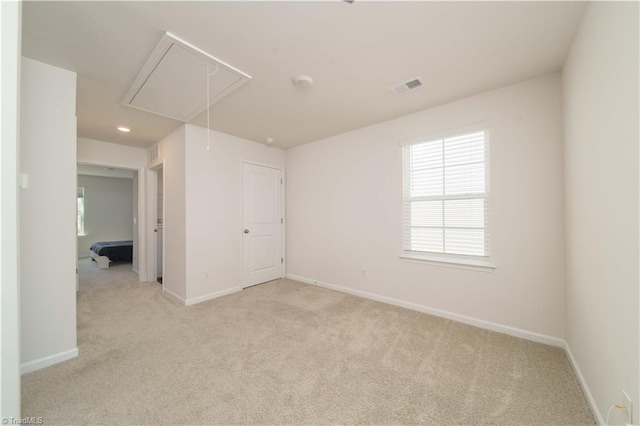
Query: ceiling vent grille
point(407, 86)
point(175, 79)
point(153, 154)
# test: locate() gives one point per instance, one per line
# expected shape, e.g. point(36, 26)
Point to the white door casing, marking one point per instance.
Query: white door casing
point(262, 224)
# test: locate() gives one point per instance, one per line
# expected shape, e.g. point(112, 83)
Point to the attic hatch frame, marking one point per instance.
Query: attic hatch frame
point(167, 41)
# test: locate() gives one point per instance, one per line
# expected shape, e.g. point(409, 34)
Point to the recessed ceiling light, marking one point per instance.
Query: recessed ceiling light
point(269, 141)
point(302, 81)
point(124, 129)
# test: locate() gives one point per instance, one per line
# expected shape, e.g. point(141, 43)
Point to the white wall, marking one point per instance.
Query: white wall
point(172, 150)
point(91, 151)
point(214, 220)
point(10, 18)
point(108, 211)
point(101, 153)
point(344, 209)
point(601, 95)
point(47, 215)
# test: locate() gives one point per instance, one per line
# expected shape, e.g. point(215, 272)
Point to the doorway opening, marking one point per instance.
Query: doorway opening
point(159, 224)
point(156, 221)
point(107, 226)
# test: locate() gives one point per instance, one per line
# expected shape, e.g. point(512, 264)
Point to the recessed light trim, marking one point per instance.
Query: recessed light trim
point(302, 81)
point(124, 129)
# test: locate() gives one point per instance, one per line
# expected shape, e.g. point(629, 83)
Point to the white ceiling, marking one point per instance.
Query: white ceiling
point(354, 52)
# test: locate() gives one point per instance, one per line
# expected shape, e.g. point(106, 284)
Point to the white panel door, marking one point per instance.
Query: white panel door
point(262, 222)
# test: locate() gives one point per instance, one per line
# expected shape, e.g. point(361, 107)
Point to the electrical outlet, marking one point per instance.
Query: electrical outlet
point(365, 273)
point(628, 405)
point(206, 275)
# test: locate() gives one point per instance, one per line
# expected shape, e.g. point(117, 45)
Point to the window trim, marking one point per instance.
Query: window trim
point(476, 263)
point(479, 263)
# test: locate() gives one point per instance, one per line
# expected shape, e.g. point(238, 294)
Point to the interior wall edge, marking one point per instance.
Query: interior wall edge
point(38, 364)
point(10, 42)
point(174, 296)
point(214, 295)
point(583, 384)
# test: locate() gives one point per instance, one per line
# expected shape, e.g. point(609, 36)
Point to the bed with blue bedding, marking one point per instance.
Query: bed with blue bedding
point(105, 252)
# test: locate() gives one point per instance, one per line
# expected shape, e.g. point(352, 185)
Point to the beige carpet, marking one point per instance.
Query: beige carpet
point(285, 352)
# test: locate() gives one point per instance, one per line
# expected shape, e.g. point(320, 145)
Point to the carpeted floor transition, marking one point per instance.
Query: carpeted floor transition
point(291, 353)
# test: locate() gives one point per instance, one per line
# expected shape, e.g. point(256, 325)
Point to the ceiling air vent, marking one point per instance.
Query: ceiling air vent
point(153, 153)
point(173, 81)
point(407, 86)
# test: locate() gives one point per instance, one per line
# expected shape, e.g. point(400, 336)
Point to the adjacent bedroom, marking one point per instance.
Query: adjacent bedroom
point(106, 223)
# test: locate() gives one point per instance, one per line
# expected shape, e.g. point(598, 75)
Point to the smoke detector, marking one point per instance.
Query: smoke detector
point(407, 86)
point(302, 81)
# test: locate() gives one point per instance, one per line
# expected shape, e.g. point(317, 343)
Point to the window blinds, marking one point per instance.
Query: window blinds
point(446, 196)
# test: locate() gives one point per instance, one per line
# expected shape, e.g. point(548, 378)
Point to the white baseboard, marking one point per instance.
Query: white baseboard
point(203, 298)
point(214, 295)
point(583, 384)
point(175, 296)
point(38, 364)
point(511, 331)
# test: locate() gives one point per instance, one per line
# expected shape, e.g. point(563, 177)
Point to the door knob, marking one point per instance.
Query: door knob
point(246, 231)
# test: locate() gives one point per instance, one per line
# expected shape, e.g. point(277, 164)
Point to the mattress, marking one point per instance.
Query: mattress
point(116, 251)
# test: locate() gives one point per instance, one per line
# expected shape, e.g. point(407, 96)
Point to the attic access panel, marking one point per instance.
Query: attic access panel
point(173, 81)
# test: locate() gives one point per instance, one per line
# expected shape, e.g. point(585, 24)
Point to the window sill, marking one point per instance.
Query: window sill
point(482, 265)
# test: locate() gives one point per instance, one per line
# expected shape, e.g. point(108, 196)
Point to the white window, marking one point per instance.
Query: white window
point(80, 212)
point(446, 199)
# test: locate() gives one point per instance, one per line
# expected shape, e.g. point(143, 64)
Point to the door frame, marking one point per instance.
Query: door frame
point(142, 214)
point(152, 221)
point(283, 233)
